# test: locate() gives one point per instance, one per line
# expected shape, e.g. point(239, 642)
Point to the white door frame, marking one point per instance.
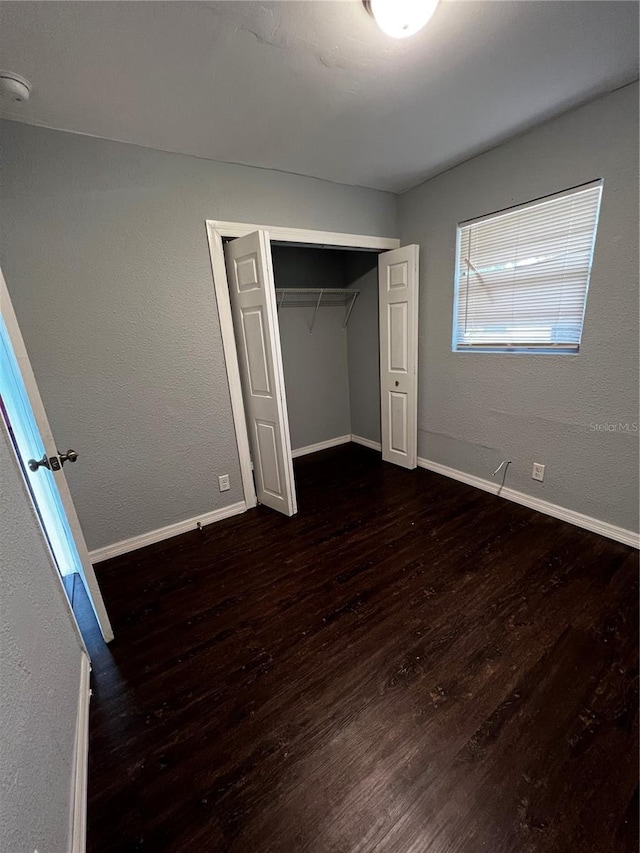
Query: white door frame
point(216, 231)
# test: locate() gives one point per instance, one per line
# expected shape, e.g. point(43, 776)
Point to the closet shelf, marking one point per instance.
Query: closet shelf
point(315, 297)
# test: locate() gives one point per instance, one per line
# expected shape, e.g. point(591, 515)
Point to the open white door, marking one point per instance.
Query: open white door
point(21, 407)
point(398, 302)
point(255, 321)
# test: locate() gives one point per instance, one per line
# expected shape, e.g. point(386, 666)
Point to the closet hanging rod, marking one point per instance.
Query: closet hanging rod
point(312, 297)
point(338, 291)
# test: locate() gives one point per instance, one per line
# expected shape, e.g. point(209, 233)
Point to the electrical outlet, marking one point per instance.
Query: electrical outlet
point(538, 471)
point(224, 483)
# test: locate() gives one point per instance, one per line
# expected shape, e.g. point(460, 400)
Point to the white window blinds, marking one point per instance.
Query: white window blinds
point(522, 275)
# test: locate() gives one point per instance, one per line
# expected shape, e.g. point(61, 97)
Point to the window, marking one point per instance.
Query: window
point(522, 275)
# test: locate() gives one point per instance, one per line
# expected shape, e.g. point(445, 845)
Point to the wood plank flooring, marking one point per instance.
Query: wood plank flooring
point(408, 665)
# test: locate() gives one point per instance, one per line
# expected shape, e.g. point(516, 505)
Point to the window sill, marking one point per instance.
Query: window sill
point(518, 350)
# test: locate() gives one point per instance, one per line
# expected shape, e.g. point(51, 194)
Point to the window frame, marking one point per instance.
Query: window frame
point(523, 348)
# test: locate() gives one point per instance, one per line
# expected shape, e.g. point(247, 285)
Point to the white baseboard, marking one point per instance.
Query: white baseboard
point(126, 545)
point(367, 442)
point(321, 445)
point(80, 762)
point(611, 531)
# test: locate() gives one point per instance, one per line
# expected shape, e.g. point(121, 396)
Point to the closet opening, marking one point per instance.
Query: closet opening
point(328, 323)
point(328, 331)
point(319, 331)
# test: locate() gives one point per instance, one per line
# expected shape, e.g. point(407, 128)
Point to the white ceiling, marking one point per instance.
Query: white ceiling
point(314, 87)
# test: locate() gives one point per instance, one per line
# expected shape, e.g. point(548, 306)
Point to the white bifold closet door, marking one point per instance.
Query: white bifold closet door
point(398, 301)
point(255, 322)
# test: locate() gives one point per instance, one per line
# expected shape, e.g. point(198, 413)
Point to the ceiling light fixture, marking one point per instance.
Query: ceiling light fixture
point(400, 18)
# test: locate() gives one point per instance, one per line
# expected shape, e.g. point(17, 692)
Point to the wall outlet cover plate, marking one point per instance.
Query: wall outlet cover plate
point(538, 471)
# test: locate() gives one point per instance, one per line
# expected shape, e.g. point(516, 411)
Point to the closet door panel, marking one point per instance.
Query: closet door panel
point(255, 322)
point(398, 295)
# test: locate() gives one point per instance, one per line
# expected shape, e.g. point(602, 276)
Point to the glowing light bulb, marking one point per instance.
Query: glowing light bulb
point(401, 18)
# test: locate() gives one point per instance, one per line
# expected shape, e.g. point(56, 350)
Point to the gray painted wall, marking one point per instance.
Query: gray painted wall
point(105, 255)
point(316, 369)
point(477, 409)
point(39, 679)
point(316, 374)
point(364, 348)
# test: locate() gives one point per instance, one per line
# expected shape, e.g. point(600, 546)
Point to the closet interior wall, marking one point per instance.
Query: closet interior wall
point(363, 346)
point(332, 373)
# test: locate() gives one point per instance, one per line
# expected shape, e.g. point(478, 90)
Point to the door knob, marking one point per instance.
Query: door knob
point(34, 464)
point(69, 456)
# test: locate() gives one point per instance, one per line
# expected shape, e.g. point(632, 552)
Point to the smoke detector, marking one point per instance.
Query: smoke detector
point(13, 87)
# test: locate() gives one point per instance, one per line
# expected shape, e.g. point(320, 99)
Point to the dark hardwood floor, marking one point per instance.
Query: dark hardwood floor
point(408, 665)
